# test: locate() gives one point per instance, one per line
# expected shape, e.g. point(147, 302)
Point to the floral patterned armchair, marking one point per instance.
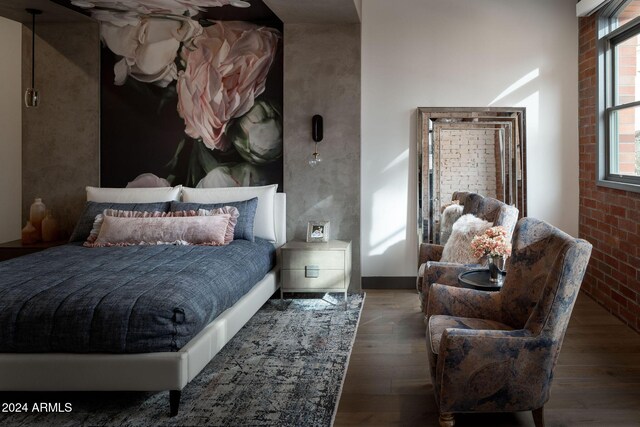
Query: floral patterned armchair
point(496, 351)
point(432, 270)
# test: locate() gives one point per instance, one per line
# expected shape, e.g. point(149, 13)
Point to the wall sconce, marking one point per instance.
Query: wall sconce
point(31, 96)
point(316, 134)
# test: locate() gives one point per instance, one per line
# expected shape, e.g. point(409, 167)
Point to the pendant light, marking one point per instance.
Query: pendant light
point(31, 96)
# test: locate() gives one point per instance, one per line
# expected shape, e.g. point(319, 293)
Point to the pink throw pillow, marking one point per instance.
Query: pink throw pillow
point(230, 210)
point(207, 230)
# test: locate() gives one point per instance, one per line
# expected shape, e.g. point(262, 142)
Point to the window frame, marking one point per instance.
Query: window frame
point(609, 36)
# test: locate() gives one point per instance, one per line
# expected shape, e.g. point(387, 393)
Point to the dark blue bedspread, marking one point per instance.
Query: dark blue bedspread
point(135, 299)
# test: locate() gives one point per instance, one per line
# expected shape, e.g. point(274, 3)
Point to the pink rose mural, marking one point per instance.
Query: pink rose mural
point(224, 74)
point(115, 11)
point(149, 48)
point(190, 95)
point(148, 180)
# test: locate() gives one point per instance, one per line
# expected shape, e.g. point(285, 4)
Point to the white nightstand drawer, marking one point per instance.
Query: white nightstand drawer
point(327, 279)
point(324, 260)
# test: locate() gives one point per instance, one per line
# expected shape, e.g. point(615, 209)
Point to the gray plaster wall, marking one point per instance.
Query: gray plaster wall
point(61, 137)
point(322, 76)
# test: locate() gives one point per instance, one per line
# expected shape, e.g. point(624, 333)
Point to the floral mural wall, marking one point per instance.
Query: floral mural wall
point(187, 98)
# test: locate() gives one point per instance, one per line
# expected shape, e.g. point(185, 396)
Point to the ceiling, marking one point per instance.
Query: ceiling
point(15, 10)
point(258, 12)
point(288, 11)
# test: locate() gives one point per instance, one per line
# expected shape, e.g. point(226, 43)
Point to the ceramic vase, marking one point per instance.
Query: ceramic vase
point(29, 234)
point(49, 228)
point(36, 215)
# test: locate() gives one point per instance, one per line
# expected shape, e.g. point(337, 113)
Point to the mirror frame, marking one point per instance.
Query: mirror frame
point(513, 157)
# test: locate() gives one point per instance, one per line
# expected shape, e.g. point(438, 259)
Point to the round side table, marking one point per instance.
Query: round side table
point(479, 280)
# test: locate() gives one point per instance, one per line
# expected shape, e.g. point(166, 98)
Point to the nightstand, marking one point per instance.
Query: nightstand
point(316, 267)
point(16, 249)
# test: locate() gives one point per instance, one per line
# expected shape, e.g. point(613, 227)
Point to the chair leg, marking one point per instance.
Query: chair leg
point(447, 420)
point(538, 416)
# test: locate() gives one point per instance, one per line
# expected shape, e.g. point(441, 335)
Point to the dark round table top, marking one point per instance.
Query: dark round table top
point(479, 280)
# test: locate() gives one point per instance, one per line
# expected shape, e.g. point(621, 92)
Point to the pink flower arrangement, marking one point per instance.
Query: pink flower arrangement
point(492, 242)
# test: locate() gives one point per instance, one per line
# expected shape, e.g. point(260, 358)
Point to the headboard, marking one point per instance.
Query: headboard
point(280, 216)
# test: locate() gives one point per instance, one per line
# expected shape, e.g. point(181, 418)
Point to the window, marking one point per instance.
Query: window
point(619, 96)
point(625, 12)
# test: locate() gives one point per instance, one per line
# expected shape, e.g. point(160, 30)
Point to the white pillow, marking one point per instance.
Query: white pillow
point(458, 247)
point(264, 225)
point(133, 195)
point(449, 216)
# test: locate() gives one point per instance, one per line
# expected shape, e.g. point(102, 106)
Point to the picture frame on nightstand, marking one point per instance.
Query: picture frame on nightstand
point(318, 231)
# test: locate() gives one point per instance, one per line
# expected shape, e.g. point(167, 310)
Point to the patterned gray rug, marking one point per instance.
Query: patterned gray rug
point(284, 368)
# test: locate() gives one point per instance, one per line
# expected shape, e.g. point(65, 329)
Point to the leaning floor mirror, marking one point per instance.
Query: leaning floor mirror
point(478, 150)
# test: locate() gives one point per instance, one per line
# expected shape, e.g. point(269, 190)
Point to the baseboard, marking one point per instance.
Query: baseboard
point(391, 282)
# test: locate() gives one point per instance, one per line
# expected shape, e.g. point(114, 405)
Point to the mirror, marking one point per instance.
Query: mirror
point(478, 150)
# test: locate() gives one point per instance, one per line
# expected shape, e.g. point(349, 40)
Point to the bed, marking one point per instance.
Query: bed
point(113, 347)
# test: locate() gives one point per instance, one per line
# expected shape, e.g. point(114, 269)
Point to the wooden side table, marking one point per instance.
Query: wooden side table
point(316, 267)
point(16, 249)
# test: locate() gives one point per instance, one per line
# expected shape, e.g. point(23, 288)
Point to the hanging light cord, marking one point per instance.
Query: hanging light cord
point(33, 50)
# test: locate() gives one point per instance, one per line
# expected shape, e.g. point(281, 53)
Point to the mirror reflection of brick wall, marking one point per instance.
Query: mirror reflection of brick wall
point(468, 162)
point(478, 150)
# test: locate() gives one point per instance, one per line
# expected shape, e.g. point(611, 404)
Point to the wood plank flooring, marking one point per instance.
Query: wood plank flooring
point(597, 380)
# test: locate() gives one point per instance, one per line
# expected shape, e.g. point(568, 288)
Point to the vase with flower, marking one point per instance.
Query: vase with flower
point(494, 245)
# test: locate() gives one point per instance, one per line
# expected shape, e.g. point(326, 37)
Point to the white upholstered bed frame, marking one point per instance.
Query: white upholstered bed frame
point(142, 371)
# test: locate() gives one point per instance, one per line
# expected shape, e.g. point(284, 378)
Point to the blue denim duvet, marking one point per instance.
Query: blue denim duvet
point(135, 299)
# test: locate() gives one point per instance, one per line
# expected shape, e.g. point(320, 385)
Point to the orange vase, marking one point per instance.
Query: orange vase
point(29, 234)
point(50, 230)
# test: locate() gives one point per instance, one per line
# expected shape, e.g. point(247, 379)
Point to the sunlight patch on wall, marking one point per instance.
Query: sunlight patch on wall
point(532, 104)
point(397, 161)
point(517, 85)
point(389, 208)
point(391, 240)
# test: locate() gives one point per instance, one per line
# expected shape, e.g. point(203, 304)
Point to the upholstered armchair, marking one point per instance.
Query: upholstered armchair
point(432, 270)
point(496, 351)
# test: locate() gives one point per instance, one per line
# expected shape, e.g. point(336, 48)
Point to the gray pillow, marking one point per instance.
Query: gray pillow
point(91, 209)
point(247, 209)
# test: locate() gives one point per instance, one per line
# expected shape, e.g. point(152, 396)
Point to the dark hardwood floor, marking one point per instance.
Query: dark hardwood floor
point(597, 380)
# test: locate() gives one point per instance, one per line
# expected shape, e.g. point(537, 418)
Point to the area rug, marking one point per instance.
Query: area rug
point(286, 367)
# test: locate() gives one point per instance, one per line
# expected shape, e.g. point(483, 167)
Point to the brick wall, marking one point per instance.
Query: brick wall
point(467, 161)
point(609, 218)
